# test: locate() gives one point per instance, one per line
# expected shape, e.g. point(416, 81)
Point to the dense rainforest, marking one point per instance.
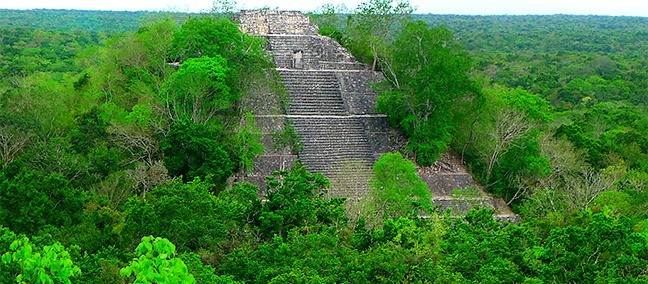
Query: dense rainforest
point(115, 165)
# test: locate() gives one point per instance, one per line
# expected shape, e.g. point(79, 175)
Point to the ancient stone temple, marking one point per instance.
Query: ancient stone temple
point(331, 107)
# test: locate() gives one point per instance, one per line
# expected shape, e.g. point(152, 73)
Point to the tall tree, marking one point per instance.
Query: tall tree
point(430, 77)
point(193, 150)
point(397, 191)
point(199, 90)
point(372, 27)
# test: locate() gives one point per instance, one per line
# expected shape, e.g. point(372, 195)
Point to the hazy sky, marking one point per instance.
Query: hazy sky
point(472, 7)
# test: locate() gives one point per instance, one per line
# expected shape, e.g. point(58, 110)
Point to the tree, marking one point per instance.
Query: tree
point(429, 75)
point(199, 90)
point(204, 273)
point(31, 200)
point(244, 54)
point(396, 189)
point(187, 214)
point(372, 26)
point(296, 199)
point(482, 249)
point(157, 263)
point(136, 132)
point(512, 113)
point(599, 248)
point(328, 18)
point(12, 143)
point(224, 8)
point(204, 36)
point(504, 142)
point(247, 140)
point(41, 265)
point(192, 150)
point(131, 67)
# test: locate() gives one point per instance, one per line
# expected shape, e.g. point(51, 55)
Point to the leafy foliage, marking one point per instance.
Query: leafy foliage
point(295, 199)
point(429, 74)
point(397, 190)
point(49, 264)
point(191, 151)
point(371, 28)
point(186, 214)
point(157, 263)
point(198, 90)
point(287, 138)
point(32, 200)
point(247, 142)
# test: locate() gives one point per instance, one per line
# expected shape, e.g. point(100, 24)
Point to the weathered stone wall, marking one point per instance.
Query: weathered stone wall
point(356, 90)
point(382, 137)
point(271, 159)
point(315, 52)
point(261, 99)
point(264, 22)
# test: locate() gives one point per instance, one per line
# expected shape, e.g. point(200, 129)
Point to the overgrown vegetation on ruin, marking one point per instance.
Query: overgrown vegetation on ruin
point(114, 164)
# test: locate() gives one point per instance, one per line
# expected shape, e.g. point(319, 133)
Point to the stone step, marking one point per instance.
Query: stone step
point(310, 90)
point(347, 138)
point(289, 72)
point(310, 74)
point(312, 81)
point(333, 130)
point(315, 74)
point(318, 99)
point(323, 137)
point(315, 96)
point(311, 84)
point(330, 166)
point(315, 112)
point(330, 143)
point(330, 158)
point(443, 184)
point(317, 108)
point(313, 91)
point(350, 147)
point(350, 138)
point(287, 40)
point(332, 127)
point(317, 104)
point(336, 150)
point(338, 154)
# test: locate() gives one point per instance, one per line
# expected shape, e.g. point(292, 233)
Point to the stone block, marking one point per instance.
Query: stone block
point(270, 124)
point(443, 184)
point(358, 81)
point(266, 164)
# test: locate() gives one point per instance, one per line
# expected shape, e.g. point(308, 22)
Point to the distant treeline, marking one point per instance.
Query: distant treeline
point(72, 20)
point(562, 58)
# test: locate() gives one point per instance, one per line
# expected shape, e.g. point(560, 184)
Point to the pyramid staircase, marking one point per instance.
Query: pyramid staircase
point(331, 108)
point(335, 141)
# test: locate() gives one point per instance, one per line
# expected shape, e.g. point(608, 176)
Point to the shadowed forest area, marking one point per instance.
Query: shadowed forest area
point(116, 166)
